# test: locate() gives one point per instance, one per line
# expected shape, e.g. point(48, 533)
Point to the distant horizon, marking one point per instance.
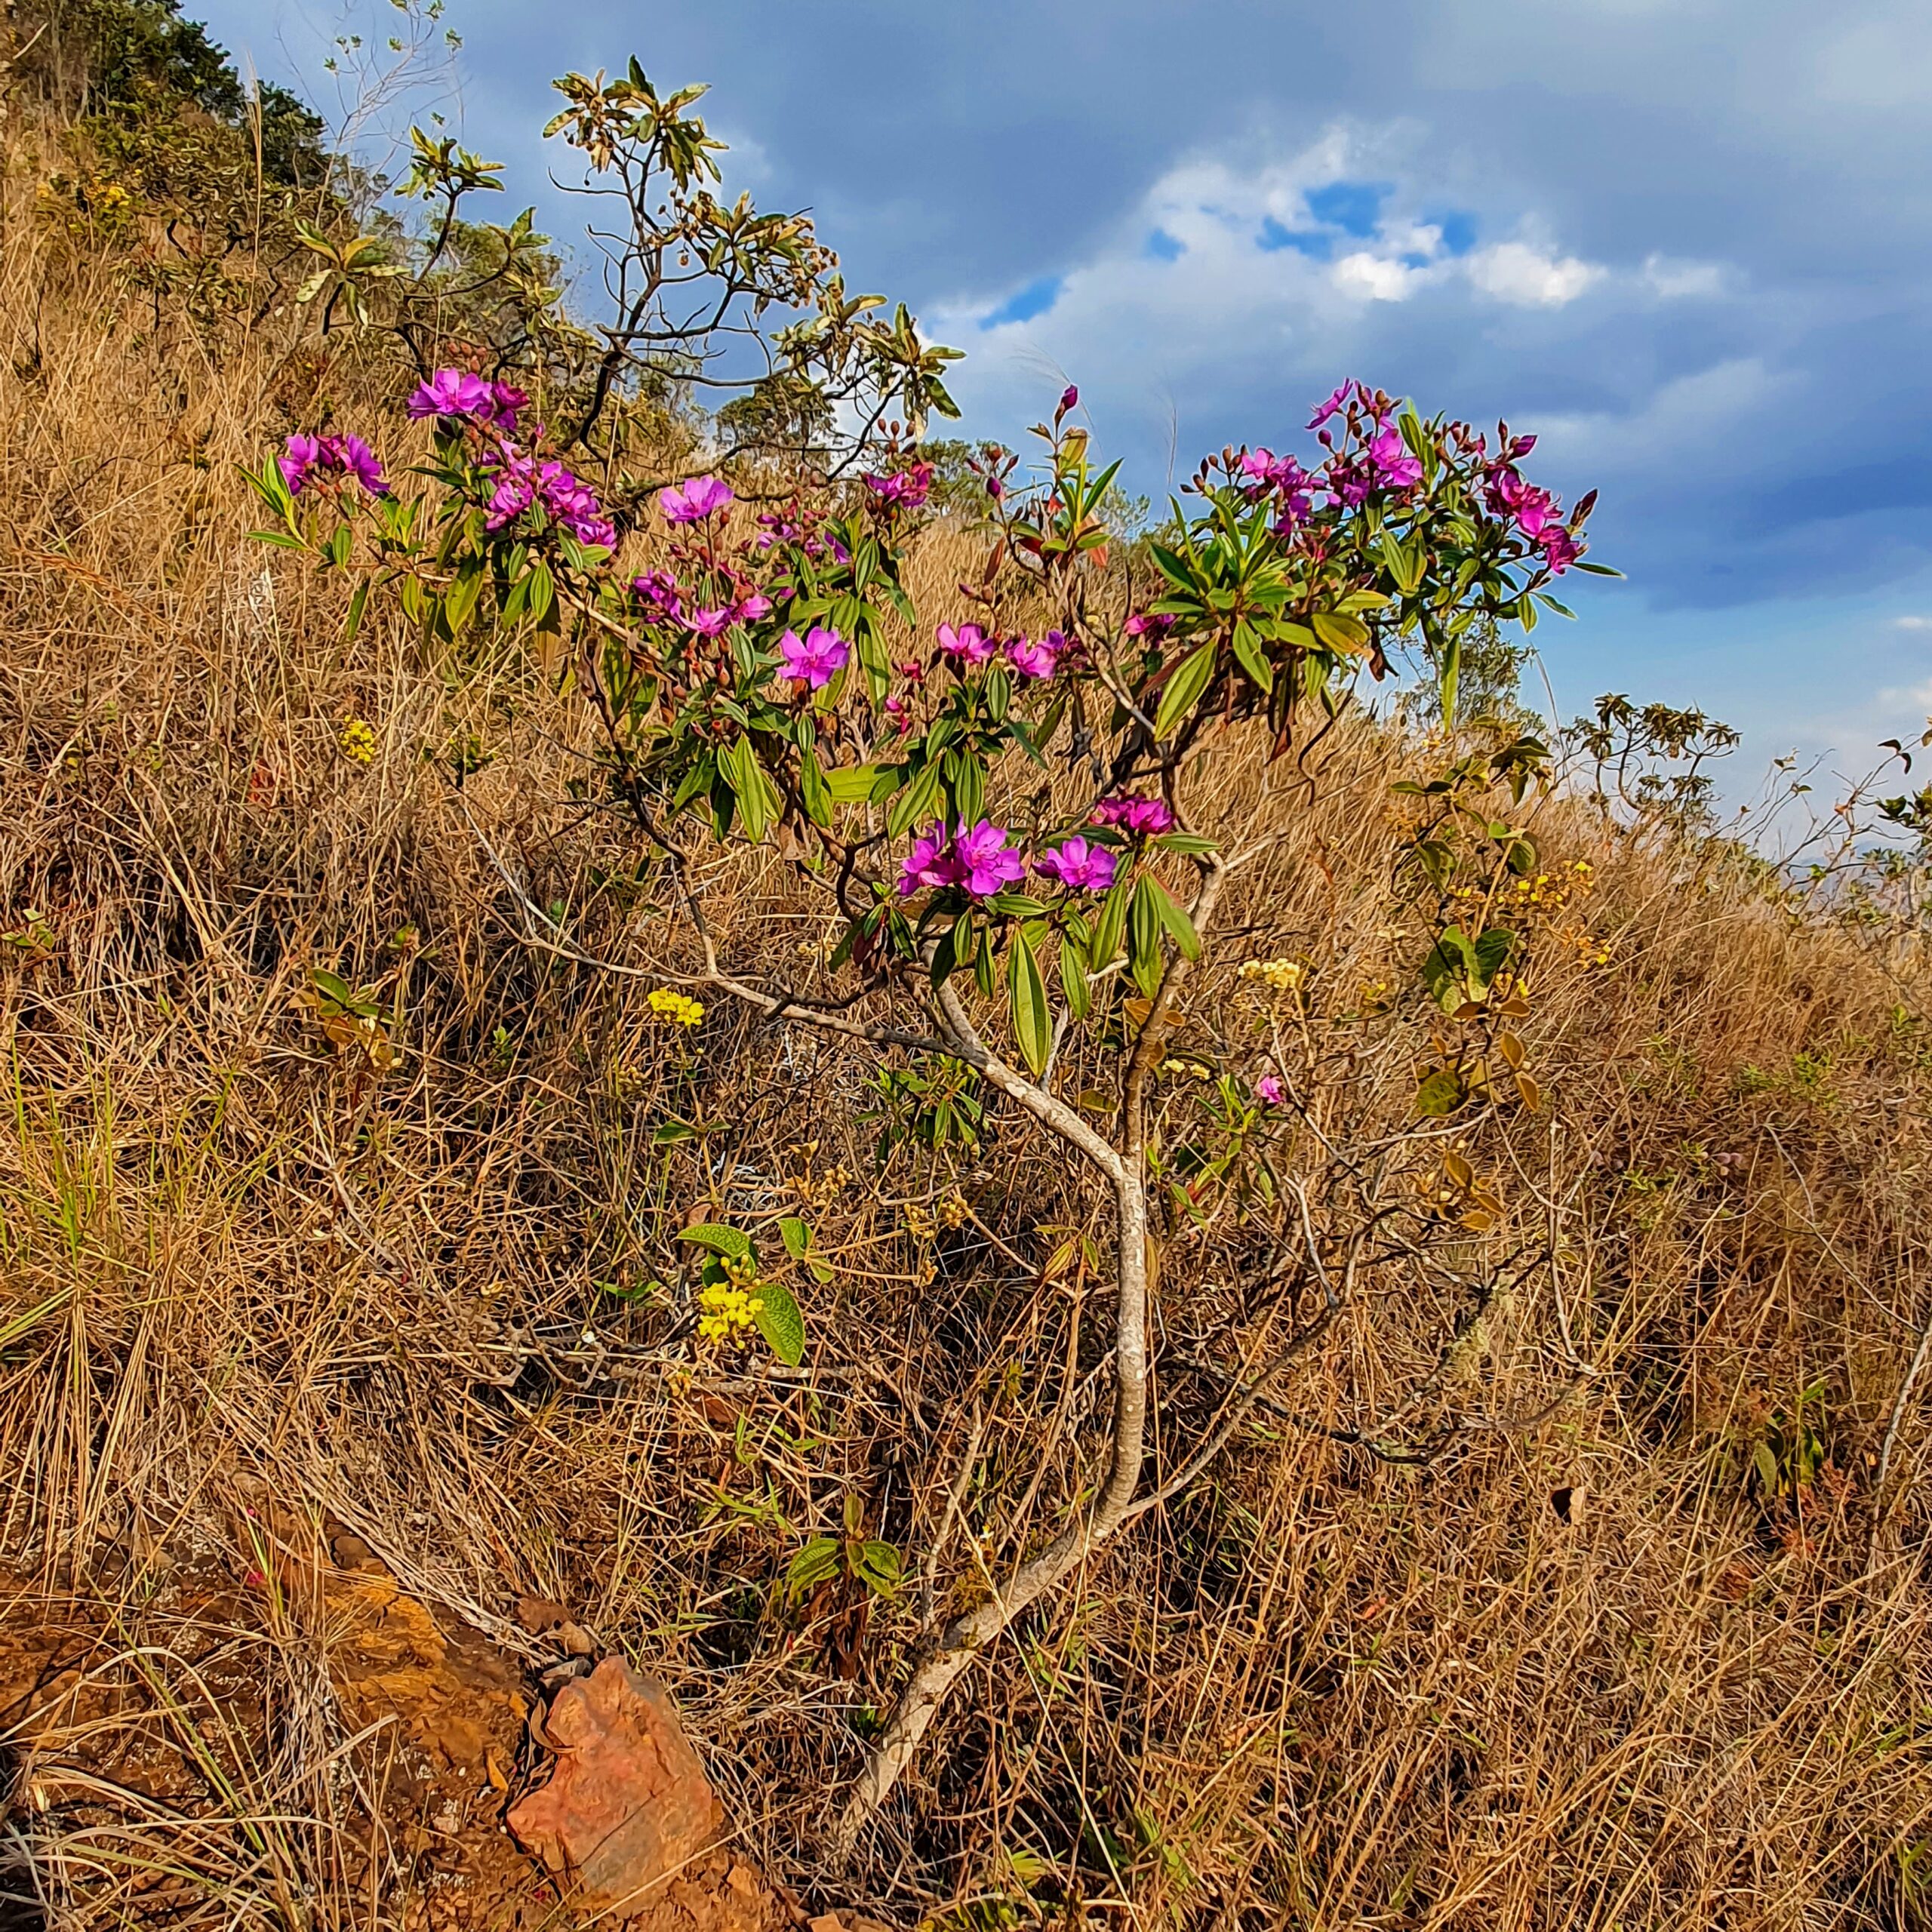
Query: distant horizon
point(1664, 239)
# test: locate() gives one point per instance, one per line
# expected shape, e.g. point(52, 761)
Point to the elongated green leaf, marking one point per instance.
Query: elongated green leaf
point(1179, 926)
point(732, 1243)
point(812, 789)
point(852, 784)
point(1182, 691)
point(1144, 938)
point(1109, 926)
point(358, 602)
point(1339, 632)
point(918, 802)
point(1252, 660)
point(1032, 1019)
point(797, 1235)
point(780, 1323)
point(1073, 980)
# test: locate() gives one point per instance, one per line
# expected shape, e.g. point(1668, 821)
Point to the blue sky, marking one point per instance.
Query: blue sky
point(1687, 241)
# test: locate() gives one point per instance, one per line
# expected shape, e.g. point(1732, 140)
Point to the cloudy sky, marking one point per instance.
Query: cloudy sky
point(1686, 242)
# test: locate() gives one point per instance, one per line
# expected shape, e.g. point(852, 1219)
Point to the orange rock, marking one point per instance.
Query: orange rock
point(628, 1808)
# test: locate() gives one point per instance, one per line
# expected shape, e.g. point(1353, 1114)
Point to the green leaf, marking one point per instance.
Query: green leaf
point(1144, 938)
point(358, 602)
point(818, 1562)
point(1178, 925)
point(1073, 980)
point(780, 1322)
point(1032, 1018)
point(852, 784)
point(813, 790)
point(759, 804)
point(1339, 632)
point(1439, 1093)
point(281, 537)
point(1184, 687)
point(1253, 660)
point(1110, 925)
point(918, 802)
point(730, 1242)
point(797, 1236)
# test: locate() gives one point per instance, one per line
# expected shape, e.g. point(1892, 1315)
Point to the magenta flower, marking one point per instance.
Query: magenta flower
point(1148, 624)
point(1076, 863)
point(703, 497)
point(1036, 658)
point(1335, 405)
point(361, 463)
point(905, 489)
point(659, 590)
point(930, 862)
point(1069, 396)
point(967, 642)
point(451, 392)
point(900, 712)
point(1560, 549)
point(711, 623)
point(815, 659)
point(1139, 818)
point(507, 404)
point(750, 608)
point(985, 862)
point(1395, 468)
point(301, 455)
point(1267, 1091)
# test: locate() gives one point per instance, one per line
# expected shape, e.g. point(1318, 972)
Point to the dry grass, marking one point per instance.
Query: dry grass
point(1576, 1669)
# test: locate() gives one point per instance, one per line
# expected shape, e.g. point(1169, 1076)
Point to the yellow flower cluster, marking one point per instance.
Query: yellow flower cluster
point(1591, 952)
point(951, 1211)
point(726, 1311)
point(1375, 995)
point(1192, 1068)
point(1285, 976)
point(677, 1008)
point(833, 1182)
point(358, 741)
point(731, 1306)
point(919, 1224)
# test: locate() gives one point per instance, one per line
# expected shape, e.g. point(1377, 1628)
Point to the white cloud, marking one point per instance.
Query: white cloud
point(1912, 623)
point(1676, 280)
point(1378, 277)
point(1514, 272)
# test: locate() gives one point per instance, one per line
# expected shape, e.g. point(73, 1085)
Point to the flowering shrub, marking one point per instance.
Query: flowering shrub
point(758, 669)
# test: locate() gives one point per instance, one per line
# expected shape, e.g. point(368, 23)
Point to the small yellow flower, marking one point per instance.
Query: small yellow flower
point(1285, 976)
point(1191, 1070)
point(728, 1308)
point(953, 1211)
point(358, 741)
point(678, 1007)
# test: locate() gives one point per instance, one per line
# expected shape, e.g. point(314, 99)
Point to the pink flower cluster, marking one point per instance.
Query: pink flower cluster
point(979, 861)
point(1536, 511)
point(816, 658)
point(1139, 818)
point(904, 489)
point(525, 480)
point(664, 601)
point(1284, 478)
point(307, 456)
point(1032, 657)
point(453, 393)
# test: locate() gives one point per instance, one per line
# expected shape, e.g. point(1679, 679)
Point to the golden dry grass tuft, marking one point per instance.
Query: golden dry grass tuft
point(1574, 1649)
